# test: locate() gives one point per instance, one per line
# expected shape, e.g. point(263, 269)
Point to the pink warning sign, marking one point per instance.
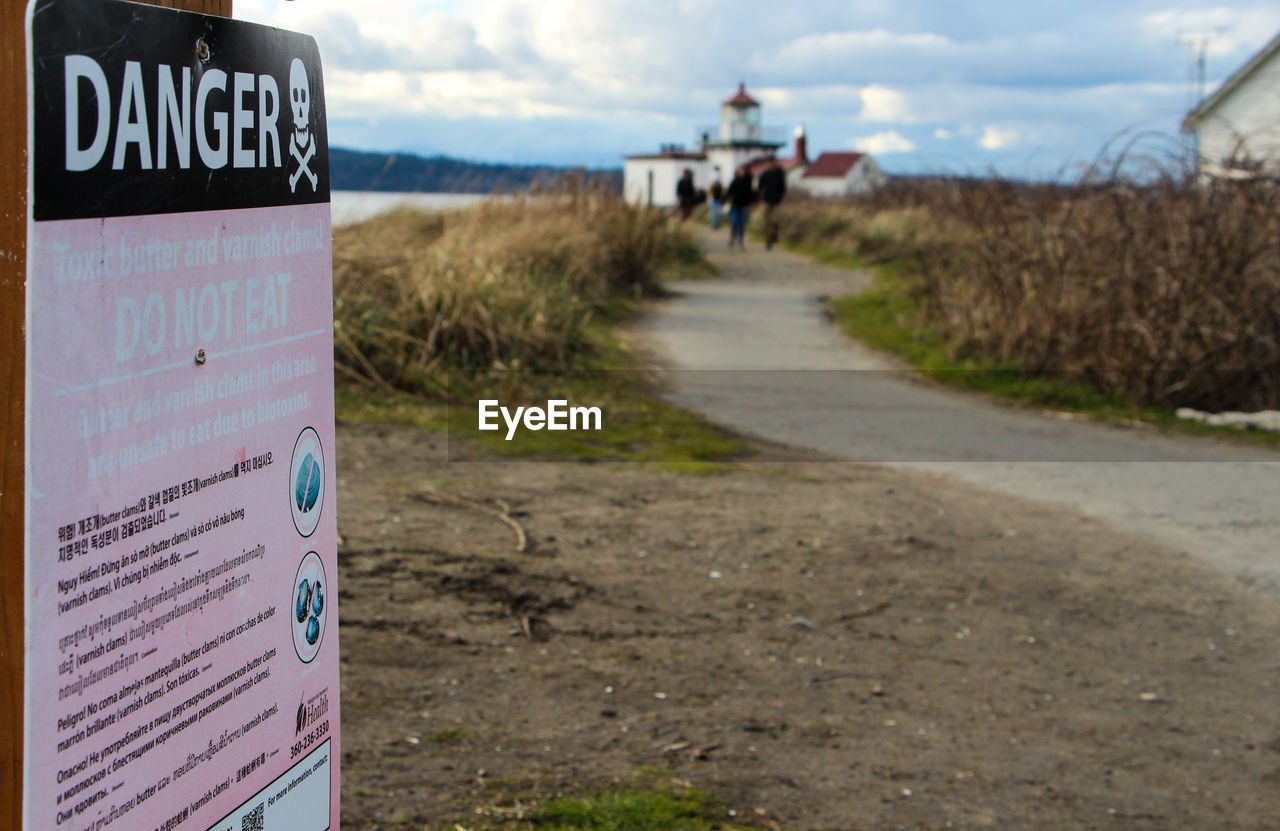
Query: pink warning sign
point(181, 639)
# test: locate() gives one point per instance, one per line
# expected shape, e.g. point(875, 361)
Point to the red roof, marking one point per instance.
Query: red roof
point(834, 165)
point(741, 99)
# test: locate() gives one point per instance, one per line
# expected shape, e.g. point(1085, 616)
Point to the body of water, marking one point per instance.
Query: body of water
point(350, 206)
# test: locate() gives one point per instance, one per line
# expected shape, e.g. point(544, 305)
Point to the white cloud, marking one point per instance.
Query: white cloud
point(998, 138)
point(828, 46)
point(890, 141)
point(884, 104)
point(494, 76)
point(439, 44)
point(1224, 29)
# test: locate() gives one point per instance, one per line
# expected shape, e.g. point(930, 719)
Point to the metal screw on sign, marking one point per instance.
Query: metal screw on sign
point(202, 50)
point(200, 357)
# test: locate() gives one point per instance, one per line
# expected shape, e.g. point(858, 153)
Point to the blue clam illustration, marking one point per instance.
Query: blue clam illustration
point(317, 600)
point(304, 599)
point(307, 489)
point(309, 607)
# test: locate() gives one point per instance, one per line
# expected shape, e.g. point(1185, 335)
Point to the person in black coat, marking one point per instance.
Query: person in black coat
point(773, 187)
point(686, 194)
point(740, 195)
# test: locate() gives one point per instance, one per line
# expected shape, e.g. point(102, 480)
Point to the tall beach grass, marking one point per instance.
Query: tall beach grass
point(511, 284)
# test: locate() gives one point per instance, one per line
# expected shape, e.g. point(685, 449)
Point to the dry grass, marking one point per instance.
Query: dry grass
point(1164, 291)
point(507, 284)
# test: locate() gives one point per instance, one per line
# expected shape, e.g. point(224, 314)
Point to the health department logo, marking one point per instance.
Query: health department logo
point(310, 607)
point(311, 711)
point(306, 482)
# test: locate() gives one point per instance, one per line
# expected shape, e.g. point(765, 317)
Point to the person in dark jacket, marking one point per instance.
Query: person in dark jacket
point(686, 194)
point(773, 187)
point(740, 195)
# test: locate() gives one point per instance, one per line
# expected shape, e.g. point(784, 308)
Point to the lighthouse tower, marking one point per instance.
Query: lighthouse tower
point(740, 139)
point(740, 117)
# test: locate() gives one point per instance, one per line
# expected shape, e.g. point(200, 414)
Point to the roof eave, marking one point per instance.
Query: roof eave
point(1207, 106)
point(718, 144)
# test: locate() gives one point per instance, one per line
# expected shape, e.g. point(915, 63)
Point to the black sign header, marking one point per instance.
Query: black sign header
point(139, 109)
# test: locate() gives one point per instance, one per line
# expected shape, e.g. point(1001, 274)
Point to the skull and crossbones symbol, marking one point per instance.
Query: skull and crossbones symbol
point(303, 144)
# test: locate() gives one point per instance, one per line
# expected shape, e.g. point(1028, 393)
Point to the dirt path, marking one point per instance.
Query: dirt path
point(824, 646)
point(754, 351)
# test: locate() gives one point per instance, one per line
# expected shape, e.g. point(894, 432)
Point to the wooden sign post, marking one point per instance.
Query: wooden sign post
point(167, 534)
point(13, 357)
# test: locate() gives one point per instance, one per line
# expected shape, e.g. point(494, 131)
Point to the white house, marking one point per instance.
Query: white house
point(651, 180)
point(1239, 124)
point(840, 174)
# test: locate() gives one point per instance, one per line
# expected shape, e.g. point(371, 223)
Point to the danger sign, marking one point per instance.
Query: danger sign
point(180, 540)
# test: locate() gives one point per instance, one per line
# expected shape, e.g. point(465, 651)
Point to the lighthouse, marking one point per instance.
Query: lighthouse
point(739, 138)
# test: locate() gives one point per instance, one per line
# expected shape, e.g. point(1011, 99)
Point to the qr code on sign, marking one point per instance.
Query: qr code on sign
point(253, 820)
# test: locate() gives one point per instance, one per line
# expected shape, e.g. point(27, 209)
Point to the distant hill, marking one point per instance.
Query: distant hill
point(407, 173)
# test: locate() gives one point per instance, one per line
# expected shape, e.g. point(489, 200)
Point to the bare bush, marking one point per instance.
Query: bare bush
point(1164, 290)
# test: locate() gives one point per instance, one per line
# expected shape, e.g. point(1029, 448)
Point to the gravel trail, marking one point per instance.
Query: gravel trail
point(753, 349)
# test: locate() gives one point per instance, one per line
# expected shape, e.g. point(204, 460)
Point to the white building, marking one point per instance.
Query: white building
point(1239, 125)
point(738, 139)
point(651, 180)
point(840, 174)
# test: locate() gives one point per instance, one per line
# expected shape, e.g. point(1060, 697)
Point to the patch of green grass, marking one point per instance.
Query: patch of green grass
point(887, 317)
point(359, 405)
point(686, 261)
point(653, 807)
point(635, 424)
point(445, 735)
point(678, 272)
point(827, 256)
point(630, 810)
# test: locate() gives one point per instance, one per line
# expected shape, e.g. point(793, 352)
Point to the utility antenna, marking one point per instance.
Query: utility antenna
point(1197, 44)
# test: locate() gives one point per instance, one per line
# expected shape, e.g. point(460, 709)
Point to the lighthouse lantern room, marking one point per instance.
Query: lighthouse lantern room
point(740, 117)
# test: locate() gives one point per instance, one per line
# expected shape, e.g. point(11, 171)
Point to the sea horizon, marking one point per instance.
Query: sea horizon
point(349, 206)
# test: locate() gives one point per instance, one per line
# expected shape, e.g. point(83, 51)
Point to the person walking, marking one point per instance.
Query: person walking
point(686, 194)
point(740, 195)
point(773, 187)
point(715, 196)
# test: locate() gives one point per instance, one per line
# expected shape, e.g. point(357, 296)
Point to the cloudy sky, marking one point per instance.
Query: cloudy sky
point(1031, 89)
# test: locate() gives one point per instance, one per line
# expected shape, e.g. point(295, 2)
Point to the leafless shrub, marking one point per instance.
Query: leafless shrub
point(1138, 277)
